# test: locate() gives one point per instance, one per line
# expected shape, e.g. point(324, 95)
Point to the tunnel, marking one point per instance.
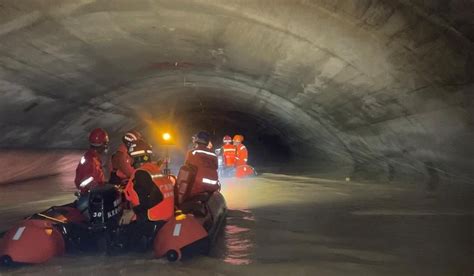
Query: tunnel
point(367, 91)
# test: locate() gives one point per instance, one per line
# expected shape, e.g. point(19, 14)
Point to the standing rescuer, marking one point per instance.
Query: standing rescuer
point(121, 161)
point(228, 152)
point(241, 153)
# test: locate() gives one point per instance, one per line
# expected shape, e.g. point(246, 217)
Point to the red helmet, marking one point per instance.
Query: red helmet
point(238, 138)
point(227, 139)
point(98, 137)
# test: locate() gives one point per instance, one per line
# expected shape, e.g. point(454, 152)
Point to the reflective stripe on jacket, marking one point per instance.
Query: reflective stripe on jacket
point(89, 172)
point(242, 155)
point(205, 163)
point(229, 153)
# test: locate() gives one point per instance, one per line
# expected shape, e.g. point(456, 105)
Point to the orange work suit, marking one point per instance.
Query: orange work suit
point(228, 155)
point(241, 156)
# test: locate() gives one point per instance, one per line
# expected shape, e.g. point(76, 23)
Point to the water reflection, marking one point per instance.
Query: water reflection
point(238, 238)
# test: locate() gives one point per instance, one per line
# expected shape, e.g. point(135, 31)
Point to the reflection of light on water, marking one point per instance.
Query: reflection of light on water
point(238, 245)
point(236, 193)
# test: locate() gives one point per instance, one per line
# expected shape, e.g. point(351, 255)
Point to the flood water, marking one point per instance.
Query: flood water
point(289, 225)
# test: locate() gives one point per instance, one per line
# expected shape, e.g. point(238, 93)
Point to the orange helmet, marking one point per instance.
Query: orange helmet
point(227, 139)
point(238, 138)
point(98, 137)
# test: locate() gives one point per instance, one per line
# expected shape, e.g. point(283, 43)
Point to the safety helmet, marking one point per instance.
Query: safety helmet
point(140, 151)
point(203, 137)
point(227, 139)
point(130, 137)
point(98, 137)
point(238, 138)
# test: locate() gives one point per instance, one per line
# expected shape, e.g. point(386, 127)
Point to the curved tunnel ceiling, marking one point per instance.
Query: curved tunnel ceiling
point(371, 87)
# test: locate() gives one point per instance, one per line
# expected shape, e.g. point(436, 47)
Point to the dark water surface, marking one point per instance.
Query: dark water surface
point(287, 225)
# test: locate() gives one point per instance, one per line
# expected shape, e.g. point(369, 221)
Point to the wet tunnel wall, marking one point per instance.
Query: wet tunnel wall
point(379, 90)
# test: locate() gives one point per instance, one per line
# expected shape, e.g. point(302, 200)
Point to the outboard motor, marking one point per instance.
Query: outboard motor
point(105, 211)
point(105, 208)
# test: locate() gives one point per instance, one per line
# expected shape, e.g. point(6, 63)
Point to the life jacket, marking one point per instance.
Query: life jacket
point(121, 166)
point(241, 156)
point(151, 193)
point(89, 172)
point(228, 154)
point(205, 163)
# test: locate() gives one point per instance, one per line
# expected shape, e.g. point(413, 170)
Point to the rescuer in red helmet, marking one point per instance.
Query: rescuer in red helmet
point(150, 193)
point(89, 171)
point(204, 161)
point(121, 161)
point(241, 153)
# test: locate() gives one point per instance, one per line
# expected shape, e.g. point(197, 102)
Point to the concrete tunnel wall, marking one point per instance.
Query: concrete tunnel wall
point(379, 90)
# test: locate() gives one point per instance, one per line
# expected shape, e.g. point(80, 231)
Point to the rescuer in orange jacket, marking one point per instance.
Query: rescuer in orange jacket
point(89, 171)
point(228, 152)
point(151, 195)
point(241, 154)
point(150, 192)
point(205, 163)
point(121, 161)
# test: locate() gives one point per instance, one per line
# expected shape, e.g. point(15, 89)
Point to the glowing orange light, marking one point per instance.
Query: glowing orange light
point(166, 136)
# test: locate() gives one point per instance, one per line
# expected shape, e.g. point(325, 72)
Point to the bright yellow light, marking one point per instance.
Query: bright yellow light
point(166, 136)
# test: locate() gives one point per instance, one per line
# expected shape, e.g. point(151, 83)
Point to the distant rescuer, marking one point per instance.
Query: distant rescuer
point(205, 163)
point(89, 171)
point(227, 152)
point(121, 161)
point(241, 153)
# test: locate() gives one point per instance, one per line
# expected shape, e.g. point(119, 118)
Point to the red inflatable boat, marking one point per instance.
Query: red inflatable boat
point(62, 229)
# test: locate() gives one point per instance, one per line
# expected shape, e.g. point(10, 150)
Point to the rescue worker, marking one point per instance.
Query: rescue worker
point(150, 193)
point(228, 152)
point(205, 163)
point(226, 156)
point(121, 161)
point(241, 153)
point(89, 171)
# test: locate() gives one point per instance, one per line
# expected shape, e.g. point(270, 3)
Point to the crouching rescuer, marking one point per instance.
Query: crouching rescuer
point(151, 196)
